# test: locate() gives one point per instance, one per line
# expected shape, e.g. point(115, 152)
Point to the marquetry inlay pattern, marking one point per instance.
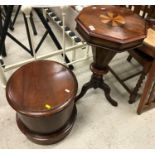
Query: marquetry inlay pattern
point(114, 20)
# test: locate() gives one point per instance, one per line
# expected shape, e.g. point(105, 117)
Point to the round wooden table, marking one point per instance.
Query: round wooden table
point(42, 94)
point(109, 30)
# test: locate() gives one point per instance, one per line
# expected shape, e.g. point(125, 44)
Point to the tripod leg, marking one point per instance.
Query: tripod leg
point(106, 90)
point(84, 90)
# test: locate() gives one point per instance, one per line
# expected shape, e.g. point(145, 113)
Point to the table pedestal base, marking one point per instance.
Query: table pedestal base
point(97, 81)
point(51, 138)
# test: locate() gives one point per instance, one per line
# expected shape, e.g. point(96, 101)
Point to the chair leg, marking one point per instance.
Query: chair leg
point(5, 27)
point(134, 93)
point(14, 20)
point(33, 25)
point(4, 54)
point(129, 58)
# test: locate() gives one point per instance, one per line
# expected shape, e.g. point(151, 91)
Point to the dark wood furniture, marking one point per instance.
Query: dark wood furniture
point(144, 55)
point(42, 94)
point(147, 100)
point(109, 30)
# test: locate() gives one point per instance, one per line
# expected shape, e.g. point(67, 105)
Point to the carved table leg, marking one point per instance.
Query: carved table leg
point(97, 82)
point(106, 90)
point(102, 58)
point(84, 89)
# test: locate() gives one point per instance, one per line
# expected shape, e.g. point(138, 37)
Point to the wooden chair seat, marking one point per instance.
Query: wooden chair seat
point(150, 40)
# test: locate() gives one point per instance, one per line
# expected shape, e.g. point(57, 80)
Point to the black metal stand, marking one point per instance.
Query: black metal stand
point(5, 26)
point(4, 32)
point(31, 20)
point(50, 32)
point(5, 29)
point(28, 34)
point(14, 20)
point(19, 43)
point(41, 41)
point(1, 29)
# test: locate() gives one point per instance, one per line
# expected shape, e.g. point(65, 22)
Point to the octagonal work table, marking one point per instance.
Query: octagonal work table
point(42, 94)
point(109, 30)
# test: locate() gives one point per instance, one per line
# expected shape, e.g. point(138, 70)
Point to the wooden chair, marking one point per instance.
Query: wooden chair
point(145, 54)
point(147, 100)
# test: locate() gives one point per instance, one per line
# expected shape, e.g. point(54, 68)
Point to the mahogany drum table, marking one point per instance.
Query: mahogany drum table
point(109, 30)
point(42, 94)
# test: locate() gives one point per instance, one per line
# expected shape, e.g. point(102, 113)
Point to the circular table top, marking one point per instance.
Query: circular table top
point(41, 88)
point(110, 24)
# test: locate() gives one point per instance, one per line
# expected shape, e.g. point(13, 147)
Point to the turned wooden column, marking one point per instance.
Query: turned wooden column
point(109, 30)
point(101, 58)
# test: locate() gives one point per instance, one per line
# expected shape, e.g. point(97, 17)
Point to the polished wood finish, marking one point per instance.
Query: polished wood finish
point(144, 54)
point(118, 38)
point(42, 93)
point(114, 20)
point(147, 100)
point(99, 68)
point(51, 138)
point(107, 39)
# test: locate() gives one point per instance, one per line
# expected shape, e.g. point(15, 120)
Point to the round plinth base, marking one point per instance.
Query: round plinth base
point(46, 139)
